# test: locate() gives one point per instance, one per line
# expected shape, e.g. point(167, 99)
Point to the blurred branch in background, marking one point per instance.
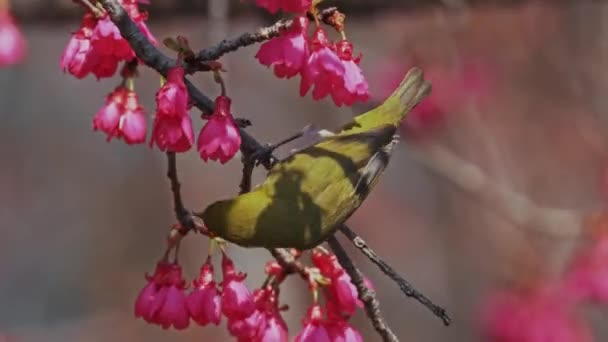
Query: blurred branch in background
point(514, 206)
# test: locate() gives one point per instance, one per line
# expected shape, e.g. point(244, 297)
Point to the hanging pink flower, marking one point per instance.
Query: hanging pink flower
point(162, 301)
point(98, 47)
point(122, 117)
point(265, 323)
point(323, 69)
point(219, 139)
point(314, 328)
point(172, 125)
point(341, 292)
point(204, 302)
point(354, 88)
point(288, 52)
point(12, 42)
point(237, 299)
point(78, 57)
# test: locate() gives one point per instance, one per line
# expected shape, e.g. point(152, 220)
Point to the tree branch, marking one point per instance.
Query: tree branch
point(186, 220)
point(366, 295)
point(404, 285)
point(248, 38)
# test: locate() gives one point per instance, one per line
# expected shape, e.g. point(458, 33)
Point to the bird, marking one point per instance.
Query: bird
point(309, 194)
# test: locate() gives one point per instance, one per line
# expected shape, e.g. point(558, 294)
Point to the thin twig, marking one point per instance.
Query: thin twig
point(249, 38)
point(184, 216)
point(366, 295)
point(404, 285)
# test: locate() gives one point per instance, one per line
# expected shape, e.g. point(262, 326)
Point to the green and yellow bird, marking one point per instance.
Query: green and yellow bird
point(307, 196)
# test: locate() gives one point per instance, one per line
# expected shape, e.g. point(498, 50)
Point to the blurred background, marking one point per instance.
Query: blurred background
point(490, 186)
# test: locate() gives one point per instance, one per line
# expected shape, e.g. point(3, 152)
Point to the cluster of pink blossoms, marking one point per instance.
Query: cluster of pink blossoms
point(251, 315)
point(12, 42)
point(552, 313)
point(172, 131)
point(98, 48)
point(330, 67)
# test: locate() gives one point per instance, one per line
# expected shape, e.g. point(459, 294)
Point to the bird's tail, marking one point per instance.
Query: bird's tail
point(410, 92)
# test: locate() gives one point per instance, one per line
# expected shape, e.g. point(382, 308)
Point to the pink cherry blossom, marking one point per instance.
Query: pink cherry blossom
point(12, 42)
point(295, 6)
point(132, 125)
point(275, 329)
point(587, 277)
point(314, 329)
point(219, 139)
point(323, 68)
point(248, 329)
point(204, 300)
point(265, 323)
point(162, 301)
point(288, 52)
point(172, 134)
point(108, 117)
point(342, 331)
point(139, 17)
point(354, 87)
point(341, 293)
point(78, 57)
point(532, 315)
point(108, 42)
point(122, 117)
point(109, 48)
point(172, 125)
point(172, 97)
point(237, 299)
point(98, 47)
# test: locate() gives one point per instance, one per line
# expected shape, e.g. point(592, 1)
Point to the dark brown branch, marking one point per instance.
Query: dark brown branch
point(366, 295)
point(248, 38)
point(184, 216)
point(248, 167)
point(404, 285)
